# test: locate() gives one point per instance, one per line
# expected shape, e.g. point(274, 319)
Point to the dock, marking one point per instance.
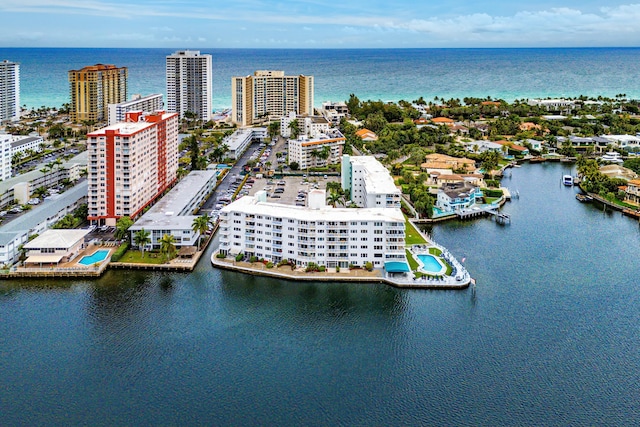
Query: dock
point(501, 217)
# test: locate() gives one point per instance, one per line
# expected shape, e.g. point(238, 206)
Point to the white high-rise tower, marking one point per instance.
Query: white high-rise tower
point(189, 83)
point(9, 91)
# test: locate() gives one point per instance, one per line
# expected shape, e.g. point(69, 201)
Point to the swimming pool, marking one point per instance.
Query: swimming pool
point(97, 256)
point(430, 264)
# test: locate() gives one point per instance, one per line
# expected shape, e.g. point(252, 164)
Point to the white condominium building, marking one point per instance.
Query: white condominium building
point(148, 104)
point(131, 164)
point(310, 126)
point(9, 91)
point(5, 156)
point(369, 183)
point(190, 83)
point(320, 234)
point(334, 111)
point(325, 149)
point(270, 94)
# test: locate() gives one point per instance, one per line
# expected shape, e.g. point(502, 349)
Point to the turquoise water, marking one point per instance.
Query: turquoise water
point(97, 256)
point(386, 74)
point(430, 264)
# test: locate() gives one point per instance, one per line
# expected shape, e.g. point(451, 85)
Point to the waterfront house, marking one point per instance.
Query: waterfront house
point(456, 196)
point(632, 194)
point(55, 246)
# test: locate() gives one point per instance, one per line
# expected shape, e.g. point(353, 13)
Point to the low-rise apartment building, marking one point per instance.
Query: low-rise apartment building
point(147, 104)
point(325, 149)
point(240, 140)
point(174, 213)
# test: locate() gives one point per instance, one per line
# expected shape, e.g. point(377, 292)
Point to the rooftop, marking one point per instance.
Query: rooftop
point(168, 213)
point(250, 205)
point(57, 239)
point(377, 177)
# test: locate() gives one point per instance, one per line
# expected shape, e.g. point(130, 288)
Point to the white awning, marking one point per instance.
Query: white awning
point(43, 259)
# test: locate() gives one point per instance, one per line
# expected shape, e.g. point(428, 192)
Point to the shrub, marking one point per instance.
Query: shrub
point(269, 264)
point(369, 266)
point(337, 269)
point(239, 257)
point(120, 252)
point(253, 259)
point(322, 268)
point(220, 255)
point(492, 183)
point(492, 193)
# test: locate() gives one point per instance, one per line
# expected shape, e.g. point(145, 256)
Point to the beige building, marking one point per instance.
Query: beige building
point(633, 192)
point(270, 94)
point(93, 88)
point(130, 165)
point(325, 149)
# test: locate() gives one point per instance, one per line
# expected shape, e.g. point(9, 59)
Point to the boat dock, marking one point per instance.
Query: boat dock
point(501, 217)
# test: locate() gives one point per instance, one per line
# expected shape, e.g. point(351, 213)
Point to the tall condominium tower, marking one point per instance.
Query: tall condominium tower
point(131, 164)
point(270, 93)
point(93, 88)
point(189, 83)
point(9, 91)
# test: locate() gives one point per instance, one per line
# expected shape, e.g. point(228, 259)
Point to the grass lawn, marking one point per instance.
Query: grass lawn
point(134, 257)
point(489, 200)
point(413, 264)
point(435, 251)
point(411, 235)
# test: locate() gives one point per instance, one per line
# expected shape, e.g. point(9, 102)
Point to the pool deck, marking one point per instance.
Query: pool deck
point(72, 268)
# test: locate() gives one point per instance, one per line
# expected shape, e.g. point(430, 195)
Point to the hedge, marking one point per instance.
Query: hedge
point(120, 252)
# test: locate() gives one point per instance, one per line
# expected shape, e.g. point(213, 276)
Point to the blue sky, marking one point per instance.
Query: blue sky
point(318, 24)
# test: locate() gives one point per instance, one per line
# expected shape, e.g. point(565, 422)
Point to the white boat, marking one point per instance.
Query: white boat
point(567, 180)
point(612, 157)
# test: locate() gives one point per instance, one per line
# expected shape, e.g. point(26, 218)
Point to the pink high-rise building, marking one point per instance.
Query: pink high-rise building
point(131, 164)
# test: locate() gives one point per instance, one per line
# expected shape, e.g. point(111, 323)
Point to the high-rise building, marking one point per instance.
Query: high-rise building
point(131, 164)
point(270, 93)
point(189, 83)
point(147, 104)
point(9, 91)
point(93, 88)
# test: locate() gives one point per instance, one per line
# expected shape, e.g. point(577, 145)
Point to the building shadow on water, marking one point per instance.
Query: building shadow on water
point(331, 298)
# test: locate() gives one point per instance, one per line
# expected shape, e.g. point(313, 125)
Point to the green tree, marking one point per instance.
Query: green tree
point(168, 247)
point(273, 129)
point(141, 238)
point(122, 227)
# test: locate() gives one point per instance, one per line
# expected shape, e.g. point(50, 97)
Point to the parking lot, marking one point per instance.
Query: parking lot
point(291, 190)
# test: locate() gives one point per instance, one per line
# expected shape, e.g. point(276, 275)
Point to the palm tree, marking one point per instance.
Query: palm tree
point(294, 126)
point(201, 225)
point(168, 246)
point(141, 238)
point(334, 198)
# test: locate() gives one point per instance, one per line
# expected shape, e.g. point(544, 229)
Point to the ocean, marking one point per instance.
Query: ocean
point(378, 74)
